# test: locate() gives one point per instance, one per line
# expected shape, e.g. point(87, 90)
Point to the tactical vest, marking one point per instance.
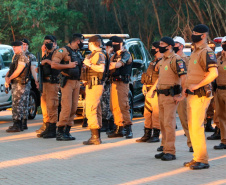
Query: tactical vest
point(24, 76)
point(75, 72)
point(221, 79)
point(91, 73)
point(167, 77)
point(47, 70)
point(195, 72)
point(124, 70)
point(154, 75)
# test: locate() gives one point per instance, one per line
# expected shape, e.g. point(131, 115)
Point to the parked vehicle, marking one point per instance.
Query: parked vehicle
point(6, 54)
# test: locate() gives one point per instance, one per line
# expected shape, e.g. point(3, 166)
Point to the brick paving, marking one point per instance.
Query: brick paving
point(26, 159)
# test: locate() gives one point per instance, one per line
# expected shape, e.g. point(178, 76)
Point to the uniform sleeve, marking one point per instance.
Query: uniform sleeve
point(98, 59)
point(59, 55)
point(157, 66)
point(33, 60)
point(208, 60)
point(126, 58)
point(179, 67)
point(23, 60)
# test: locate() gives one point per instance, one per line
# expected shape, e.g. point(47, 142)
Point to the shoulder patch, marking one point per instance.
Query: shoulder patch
point(211, 54)
point(60, 50)
point(180, 63)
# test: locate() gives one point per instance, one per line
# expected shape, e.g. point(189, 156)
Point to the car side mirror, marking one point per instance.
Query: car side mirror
point(137, 63)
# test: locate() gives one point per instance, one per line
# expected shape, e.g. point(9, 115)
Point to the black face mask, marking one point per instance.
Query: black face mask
point(153, 52)
point(116, 47)
point(80, 45)
point(196, 38)
point(176, 49)
point(162, 49)
point(224, 47)
point(49, 46)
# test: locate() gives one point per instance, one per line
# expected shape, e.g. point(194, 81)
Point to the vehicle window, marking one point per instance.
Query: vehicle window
point(132, 52)
point(6, 56)
point(137, 50)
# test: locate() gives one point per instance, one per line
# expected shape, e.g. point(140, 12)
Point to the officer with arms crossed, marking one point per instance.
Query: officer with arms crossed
point(19, 77)
point(182, 107)
point(172, 75)
point(50, 89)
point(69, 60)
point(95, 64)
point(121, 67)
point(202, 70)
point(151, 109)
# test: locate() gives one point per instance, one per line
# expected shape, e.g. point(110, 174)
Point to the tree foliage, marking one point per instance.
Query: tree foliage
point(146, 19)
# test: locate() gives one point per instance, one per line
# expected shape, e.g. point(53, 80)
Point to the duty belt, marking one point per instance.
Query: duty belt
point(221, 87)
point(172, 91)
point(124, 79)
point(51, 79)
point(200, 92)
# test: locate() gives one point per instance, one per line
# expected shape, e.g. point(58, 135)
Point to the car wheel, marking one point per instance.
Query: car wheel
point(32, 108)
point(131, 104)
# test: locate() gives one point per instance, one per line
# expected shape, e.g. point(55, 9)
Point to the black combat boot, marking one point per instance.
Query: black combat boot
point(155, 136)
point(95, 138)
point(85, 123)
point(67, 132)
point(61, 136)
point(129, 133)
point(117, 133)
point(45, 131)
point(105, 126)
point(24, 124)
point(51, 131)
point(208, 126)
point(221, 146)
point(216, 135)
point(112, 127)
point(15, 127)
point(160, 149)
point(41, 129)
point(146, 136)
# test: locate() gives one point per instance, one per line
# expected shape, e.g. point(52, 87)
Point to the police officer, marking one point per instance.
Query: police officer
point(151, 110)
point(19, 77)
point(50, 89)
point(202, 70)
point(69, 60)
point(172, 75)
point(221, 95)
point(95, 64)
point(33, 64)
point(182, 106)
point(121, 67)
point(107, 116)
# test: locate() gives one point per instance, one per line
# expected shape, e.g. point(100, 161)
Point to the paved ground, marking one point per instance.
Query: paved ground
point(25, 159)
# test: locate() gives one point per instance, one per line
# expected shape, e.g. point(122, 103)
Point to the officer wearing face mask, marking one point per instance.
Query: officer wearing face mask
point(69, 60)
point(220, 95)
point(49, 97)
point(182, 107)
point(120, 72)
point(151, 110)
point(169, 85)
point(202, 70)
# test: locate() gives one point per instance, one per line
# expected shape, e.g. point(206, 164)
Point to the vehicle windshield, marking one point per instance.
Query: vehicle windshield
point(6, 56)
